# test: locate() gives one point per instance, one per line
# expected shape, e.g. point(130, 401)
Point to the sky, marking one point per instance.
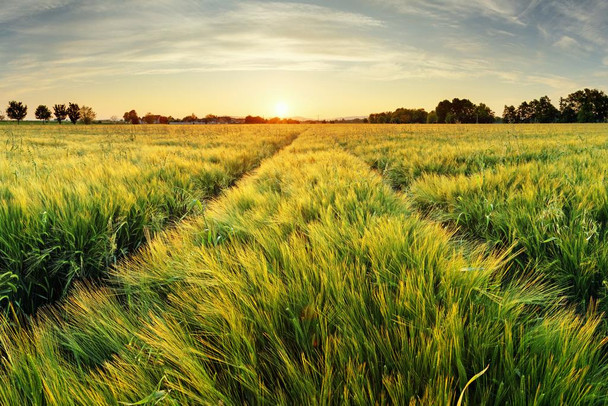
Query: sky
point(313, 59)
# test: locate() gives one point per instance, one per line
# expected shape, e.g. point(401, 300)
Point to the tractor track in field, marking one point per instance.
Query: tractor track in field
point(188, 217)
point(173, 223)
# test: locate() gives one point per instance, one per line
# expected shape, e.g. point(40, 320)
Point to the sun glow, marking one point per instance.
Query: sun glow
point(281, 109)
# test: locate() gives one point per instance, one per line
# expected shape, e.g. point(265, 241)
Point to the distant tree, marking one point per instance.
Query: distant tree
point(149, 118)
point(87, 115)
point(484, 115)
point(16, 111)
point(210, 118)
point(43, 113)
point(509, 115)
point(432, 118)
point(60, 112)
point(408, 116)
point(450, 118)
point(114, 119)
point(131, 117)
point(544, 111)
point(163, 120)
point(464, 111)
point(170, 119)
point(190, 119)
point(524, 113)
point(588, 106)
point(566, 112)
point(2, 117)
point(73, 112)
point(254, 120)
point(380, 118)
point(442, 110)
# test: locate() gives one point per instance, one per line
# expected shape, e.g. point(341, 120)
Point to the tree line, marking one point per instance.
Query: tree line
point(582, 106)
point(461, 111)
point(133, 118)
point(18, 111)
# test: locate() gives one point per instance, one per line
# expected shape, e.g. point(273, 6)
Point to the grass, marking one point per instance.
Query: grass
point(314, 281)
point(539, 190)
point(73, 201)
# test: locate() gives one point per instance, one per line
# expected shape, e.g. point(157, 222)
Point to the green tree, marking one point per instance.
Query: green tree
point(443, 108)
point(525, 113)
point(60, 112)
point(87, 115)
point(484, 115)
point(432, 118)
point(16, 111)
point(73, 112)
point(464, 111)
point(43, 113)
point(509, 115)
point(585, 106)
point(544, 110)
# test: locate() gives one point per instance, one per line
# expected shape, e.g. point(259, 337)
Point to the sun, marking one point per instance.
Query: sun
point(281, 109)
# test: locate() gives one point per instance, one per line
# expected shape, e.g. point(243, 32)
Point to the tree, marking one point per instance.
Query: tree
point(73, 112)
point(43, 113)
point(16, 111)
point(544, 110)
point(60, 112)
point(509, 115)
point(442, 110)
point(432, 118)
point(131, 117)
point(114, 119)
point(87, 115)
point(150, 118)
point(524, 113)
point(210, 118)
point(2, 117)
point(190, 119)
point(464, 111)
point(585, 106)
point(566, 112)
point(254, 120)
point(484, 115)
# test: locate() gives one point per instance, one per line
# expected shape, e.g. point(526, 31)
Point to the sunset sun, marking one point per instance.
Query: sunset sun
point(281, 109)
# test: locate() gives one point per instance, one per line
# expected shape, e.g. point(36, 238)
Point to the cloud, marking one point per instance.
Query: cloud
point(567, 43)
point(555, 81)
point(53, 43)
point(511, 11)
point(93, 40)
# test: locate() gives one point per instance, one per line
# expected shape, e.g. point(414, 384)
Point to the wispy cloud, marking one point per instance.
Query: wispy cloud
point(48, 44)
point(91, 39)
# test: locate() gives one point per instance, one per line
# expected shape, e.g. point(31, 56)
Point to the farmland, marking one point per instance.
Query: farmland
point(304, 264)
point(74, 201)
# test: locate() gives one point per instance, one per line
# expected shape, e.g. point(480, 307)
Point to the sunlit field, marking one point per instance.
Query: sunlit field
point(305, 265)
point(73, 200)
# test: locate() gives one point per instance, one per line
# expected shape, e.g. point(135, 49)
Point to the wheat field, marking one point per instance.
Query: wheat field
point(338, 264)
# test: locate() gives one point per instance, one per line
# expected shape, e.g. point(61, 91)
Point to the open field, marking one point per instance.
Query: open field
point(73, 200)
point(357, 265)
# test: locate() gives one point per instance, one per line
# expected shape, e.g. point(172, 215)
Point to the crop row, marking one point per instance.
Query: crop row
point(72, 205)
point(311, 282)
point(539, 191)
